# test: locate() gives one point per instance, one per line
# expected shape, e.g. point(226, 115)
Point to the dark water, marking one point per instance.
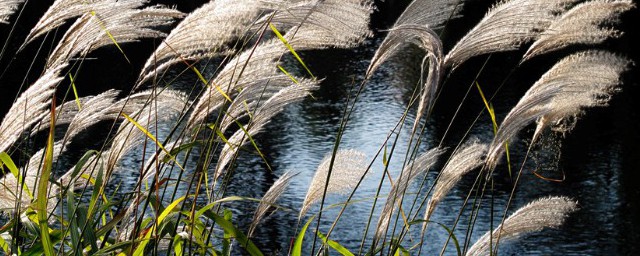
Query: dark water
point(599, 159)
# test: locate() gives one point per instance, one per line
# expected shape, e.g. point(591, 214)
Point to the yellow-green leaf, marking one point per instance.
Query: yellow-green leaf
point(43, 189)
point(5, 159)
point(75, 92)
point(140, 250)
point(153, 138)
point(286, 43)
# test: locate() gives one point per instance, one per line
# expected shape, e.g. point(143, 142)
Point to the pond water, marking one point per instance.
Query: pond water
point(598, 161)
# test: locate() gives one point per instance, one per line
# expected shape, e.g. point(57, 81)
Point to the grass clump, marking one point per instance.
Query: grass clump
point(248, 62)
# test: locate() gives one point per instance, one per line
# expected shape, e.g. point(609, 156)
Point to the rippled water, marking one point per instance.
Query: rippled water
point(598, 161)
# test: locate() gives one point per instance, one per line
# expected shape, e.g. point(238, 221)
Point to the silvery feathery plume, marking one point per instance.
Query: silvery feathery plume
point(63, 10)
point(35, 161)
point(584, 79)
point(204, 33)
point(269, 198)
point(430, 13)
point(102, 107)
point(324, 26)
point(416, 26)
point(260, 67)
point(116, 25)
point(426, 39)
point(543, 213)
point(252, 97)
point(260, 117)
point(92, 110)
point(65, 112)
point(335, 23)
point(506, 27)
point(128, 218)
point(157, 106)
point(465, 159)
point(29, 108)
point(417, 167)
point(11, 191)
point(146, 108)
point(348, 168)
point(419, 20)
point(586, 23)
point(7, 8)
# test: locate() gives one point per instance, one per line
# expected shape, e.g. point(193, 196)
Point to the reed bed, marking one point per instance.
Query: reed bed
point(247, 58)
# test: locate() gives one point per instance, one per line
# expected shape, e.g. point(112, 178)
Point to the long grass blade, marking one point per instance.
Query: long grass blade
point(42, 198)
point(290, 48)
point(297, 245)
point(140, 249)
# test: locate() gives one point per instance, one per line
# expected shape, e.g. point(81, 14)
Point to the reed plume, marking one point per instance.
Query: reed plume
point(417, 167)
point(416, 26)
point(269, 198)
point(427, 40)
point(146, 108)
point(160, 105)
point(91, 110)
point(328, 24)
point(35, 161)
point(12, 191)
point(118, 24)
point(65, 113)
point(62, 10)
point(29, 108)
point(465, 159)
point(262, 115)
point(204, 33)
point(102, 107)
point(349, 166)
point(581, 80)
point(7, 8)
point(253, 96)
point(583, 24)
point(260, 70)
point(507, 26)
point(543, 213)
point(433, 14)
point(317, 24)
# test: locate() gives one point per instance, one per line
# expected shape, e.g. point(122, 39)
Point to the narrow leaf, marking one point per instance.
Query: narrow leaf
point(286, 43)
